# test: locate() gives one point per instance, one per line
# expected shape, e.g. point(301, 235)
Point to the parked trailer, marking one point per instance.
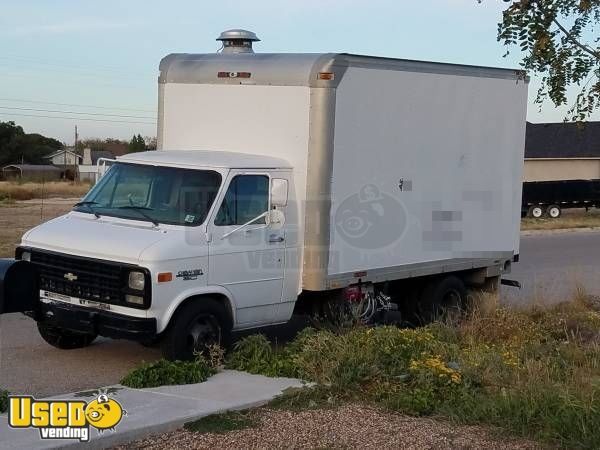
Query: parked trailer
point(287, 182)
point(551, 197)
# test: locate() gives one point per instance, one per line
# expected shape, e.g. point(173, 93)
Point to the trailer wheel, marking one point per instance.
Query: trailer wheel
point(63, 338)
point(197, 325)
point(536, 212)
point(554, 211)
point(442, 298)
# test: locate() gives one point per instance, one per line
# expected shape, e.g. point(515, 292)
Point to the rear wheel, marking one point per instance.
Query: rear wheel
point(442, 298)
point(64, 339)
point(194, 328)
point(535, 211)
point(554, 211)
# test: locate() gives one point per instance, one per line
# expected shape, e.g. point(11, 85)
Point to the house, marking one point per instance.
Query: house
point(64, 157)
point(562, 151)
point(32, 172)
point(88, 169)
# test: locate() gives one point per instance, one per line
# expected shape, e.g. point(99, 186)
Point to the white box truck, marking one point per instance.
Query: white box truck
point(282, 182)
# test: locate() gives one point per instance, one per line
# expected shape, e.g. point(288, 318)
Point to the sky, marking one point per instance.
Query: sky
point(82, 61)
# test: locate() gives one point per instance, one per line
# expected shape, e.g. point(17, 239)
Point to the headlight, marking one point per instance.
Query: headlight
point(26, 256)
point(137, 281)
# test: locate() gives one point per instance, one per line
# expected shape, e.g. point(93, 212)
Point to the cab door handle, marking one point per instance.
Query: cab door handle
point(276, 239)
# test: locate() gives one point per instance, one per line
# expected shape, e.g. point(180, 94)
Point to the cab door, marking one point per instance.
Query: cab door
point(248, 261)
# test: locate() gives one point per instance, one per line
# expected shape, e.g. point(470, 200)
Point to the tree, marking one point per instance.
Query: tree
point(560, 42)
point(151, 142)
point(137, 144)
point(16, 146)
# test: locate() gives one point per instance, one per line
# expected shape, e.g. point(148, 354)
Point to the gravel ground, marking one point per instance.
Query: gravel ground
point(347, 427)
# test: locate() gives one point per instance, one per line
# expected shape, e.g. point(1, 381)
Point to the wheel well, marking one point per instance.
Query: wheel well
point(220, 298)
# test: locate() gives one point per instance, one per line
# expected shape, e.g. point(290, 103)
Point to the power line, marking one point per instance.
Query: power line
point(81, 118)
point(76, 112)
point(19, 100)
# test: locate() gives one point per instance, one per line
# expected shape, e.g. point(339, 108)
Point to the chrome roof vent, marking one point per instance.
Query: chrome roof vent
point(237, 41)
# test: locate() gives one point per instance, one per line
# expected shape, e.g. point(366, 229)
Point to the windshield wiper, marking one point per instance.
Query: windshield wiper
point(141, 210)
point(88, 204)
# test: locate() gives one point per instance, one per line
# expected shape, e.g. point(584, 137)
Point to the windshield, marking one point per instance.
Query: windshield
point(166, 195)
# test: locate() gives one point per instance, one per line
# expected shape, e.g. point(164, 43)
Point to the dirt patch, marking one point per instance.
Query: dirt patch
point(16, 218)
point(30, 190)
point(348, 427)
point(571, 218)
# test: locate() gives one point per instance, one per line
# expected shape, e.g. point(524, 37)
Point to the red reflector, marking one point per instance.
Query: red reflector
point(328, 76)
point(360, 274)
point(234, 75)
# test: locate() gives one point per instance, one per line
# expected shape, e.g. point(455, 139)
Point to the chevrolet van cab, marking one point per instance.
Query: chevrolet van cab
point(285, 182)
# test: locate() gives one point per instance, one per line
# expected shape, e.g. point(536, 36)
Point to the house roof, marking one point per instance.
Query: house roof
point(60, 152)
point(562, 140)
point(33, 167)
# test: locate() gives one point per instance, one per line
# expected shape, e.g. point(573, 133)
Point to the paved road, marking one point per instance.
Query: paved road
point(551, 266)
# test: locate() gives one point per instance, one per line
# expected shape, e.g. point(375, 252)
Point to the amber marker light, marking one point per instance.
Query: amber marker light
point(165, 277)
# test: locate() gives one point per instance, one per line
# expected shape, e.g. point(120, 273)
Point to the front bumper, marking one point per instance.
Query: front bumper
point(104, 323)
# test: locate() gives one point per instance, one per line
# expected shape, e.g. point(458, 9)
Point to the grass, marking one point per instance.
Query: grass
point(10, 190)
point(164, 373)
point(533, 372)
point(223, 423)
point(574, 218)
point(3, 401)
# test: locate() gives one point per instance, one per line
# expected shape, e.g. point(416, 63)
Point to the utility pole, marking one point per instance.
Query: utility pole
point(75, 149)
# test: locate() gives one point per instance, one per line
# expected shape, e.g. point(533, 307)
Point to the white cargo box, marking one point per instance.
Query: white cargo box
point(402, 168)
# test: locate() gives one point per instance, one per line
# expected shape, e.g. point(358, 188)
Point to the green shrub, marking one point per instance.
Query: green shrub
point(534, 372)
point(3, 400)
point(162, 373)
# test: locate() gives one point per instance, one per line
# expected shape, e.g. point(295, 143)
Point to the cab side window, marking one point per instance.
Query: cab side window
point(246, 198)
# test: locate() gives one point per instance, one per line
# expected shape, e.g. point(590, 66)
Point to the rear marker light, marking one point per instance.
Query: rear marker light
point(327, 76)
point(165, 277)
point(234, 75)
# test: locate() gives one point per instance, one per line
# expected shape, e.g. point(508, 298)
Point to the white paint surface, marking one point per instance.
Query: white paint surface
point(459, 140)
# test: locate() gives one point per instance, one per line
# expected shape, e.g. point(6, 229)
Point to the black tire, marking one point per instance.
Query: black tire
point(195, 326)
point(150, 343)
point(553, 211)
point(442, 298)
point(535, 211)
point(64, 339)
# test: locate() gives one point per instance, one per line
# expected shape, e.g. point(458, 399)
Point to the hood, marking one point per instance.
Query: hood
point(104, 238)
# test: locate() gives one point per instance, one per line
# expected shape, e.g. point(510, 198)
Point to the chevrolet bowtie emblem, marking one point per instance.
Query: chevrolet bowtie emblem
point(70, 276)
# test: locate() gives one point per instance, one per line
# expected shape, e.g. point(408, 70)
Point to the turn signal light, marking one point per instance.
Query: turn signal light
point(165, 277)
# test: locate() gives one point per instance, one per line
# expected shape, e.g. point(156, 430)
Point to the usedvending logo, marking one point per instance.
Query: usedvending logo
point(65, 419)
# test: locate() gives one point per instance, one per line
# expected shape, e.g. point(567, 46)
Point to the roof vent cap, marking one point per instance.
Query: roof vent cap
point(237, 41)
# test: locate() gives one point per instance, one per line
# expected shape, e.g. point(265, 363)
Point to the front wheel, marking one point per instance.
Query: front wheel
point(63, 338)
point(195, 327)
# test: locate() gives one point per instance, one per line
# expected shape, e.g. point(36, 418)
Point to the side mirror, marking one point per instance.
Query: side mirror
point(279, 192)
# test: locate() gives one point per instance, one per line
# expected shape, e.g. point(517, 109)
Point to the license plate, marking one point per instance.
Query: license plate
point(74, 300)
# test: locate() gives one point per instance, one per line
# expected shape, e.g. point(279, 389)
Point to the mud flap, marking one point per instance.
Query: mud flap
point(19, 290)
